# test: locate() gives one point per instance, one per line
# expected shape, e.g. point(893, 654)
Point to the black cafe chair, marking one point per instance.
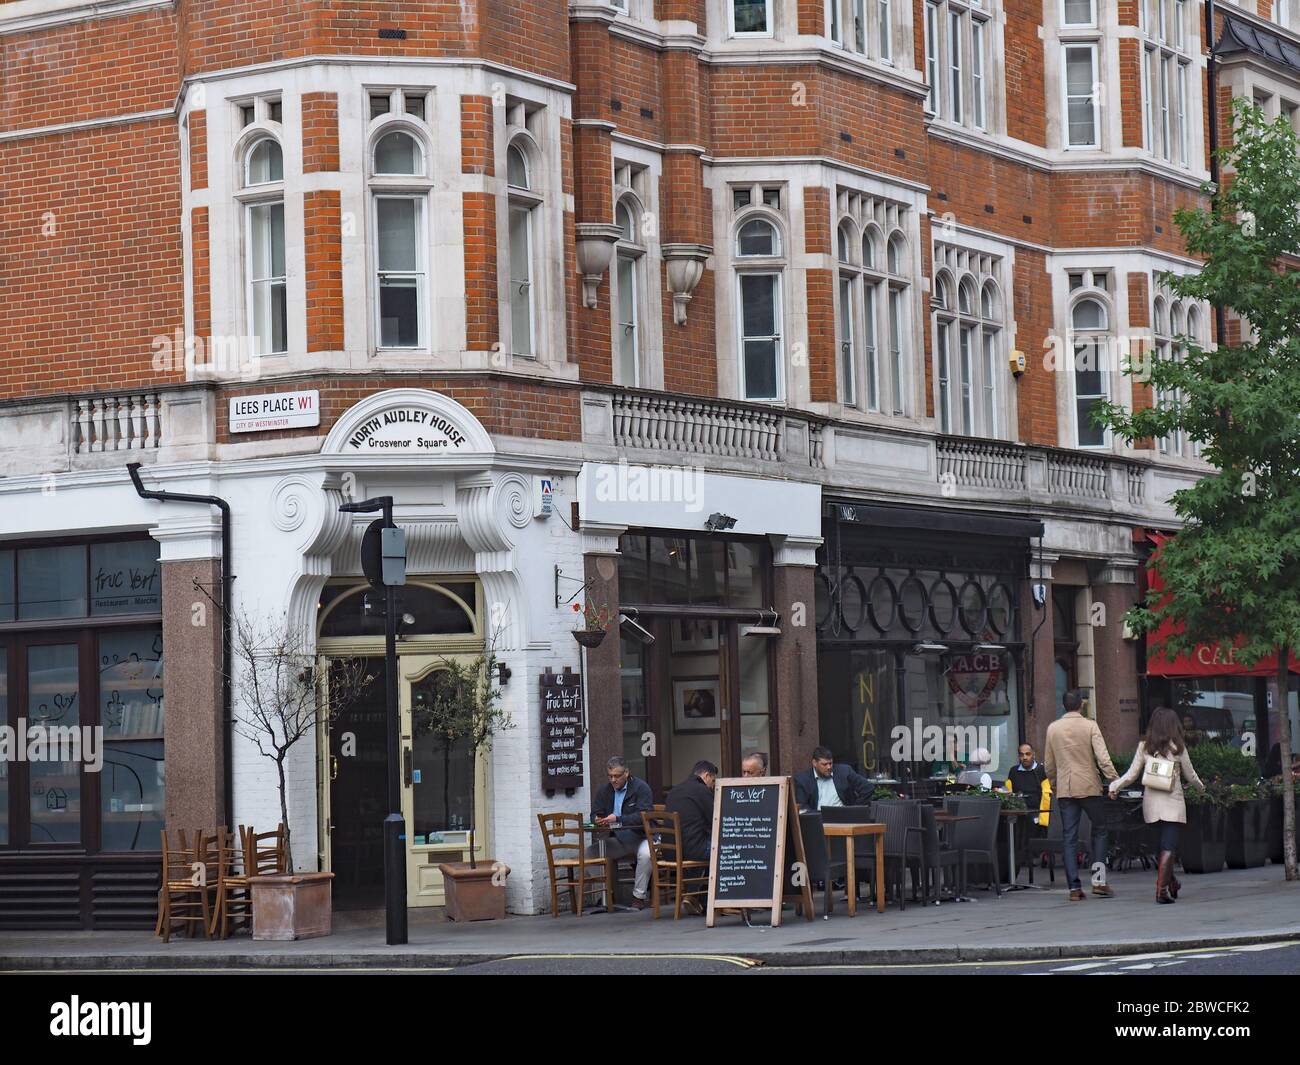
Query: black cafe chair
point(936, 856)
point(825, 864)
point(903, 846)
point(977, 839)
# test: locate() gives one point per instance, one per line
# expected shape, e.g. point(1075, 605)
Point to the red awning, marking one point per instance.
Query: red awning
point(1209, 659)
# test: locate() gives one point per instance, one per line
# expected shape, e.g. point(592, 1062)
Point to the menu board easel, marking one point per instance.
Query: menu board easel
point(755, 834)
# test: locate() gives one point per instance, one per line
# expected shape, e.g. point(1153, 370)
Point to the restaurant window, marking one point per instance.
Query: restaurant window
point(84, 670)
point(1221, 709)
point(691, 570)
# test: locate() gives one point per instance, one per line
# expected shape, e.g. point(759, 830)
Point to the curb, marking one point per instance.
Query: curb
point(783, 959)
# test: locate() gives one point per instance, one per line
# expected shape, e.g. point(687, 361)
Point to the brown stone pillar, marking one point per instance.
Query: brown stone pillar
point(604, 682)
point(193, 740)
point(795, 728)
point(1115, 658)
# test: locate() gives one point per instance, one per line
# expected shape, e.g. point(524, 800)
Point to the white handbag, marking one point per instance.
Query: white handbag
point(1159, 774)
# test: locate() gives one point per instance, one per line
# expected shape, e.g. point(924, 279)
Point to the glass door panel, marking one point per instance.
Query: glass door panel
point(53, 689)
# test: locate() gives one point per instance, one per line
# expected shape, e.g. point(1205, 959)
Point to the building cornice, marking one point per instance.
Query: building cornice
point(26, 16)
point(90, 123)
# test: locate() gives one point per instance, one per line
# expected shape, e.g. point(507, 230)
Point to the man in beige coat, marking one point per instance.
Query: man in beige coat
point(1075, 753)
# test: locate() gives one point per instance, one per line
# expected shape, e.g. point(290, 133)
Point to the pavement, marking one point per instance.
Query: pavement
point(1227, 909)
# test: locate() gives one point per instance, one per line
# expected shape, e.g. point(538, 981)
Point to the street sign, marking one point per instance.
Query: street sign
point(393, 546)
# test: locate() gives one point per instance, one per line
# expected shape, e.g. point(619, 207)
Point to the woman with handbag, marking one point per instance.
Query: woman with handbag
point(1161, 760)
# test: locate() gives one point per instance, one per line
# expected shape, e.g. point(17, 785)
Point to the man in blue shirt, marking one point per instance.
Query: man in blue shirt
point(619, 805)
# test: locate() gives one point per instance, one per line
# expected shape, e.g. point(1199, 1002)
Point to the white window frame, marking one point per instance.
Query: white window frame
point(731, 22)
point(1106, 335)
point(933, 18)
point(529, 200)
point(1091, 48)
point(1092, 16)
point(271, 281)
point(633, 253)
point(251, 196)
point(420, 273)
point(773, 266)
point(1166, 63)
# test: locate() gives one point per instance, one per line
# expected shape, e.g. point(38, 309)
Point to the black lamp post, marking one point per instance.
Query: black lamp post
point(383, 560)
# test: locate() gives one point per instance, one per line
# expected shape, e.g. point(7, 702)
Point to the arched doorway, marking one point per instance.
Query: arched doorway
point(444, 794)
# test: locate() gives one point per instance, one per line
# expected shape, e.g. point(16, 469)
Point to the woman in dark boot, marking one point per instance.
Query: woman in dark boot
point(1162, 763)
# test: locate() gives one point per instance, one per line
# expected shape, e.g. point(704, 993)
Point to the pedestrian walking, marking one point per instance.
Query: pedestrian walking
point(1076, 759)
point(1163, 764)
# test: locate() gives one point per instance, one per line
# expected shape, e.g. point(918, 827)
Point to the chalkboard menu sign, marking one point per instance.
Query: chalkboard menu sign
point(562, 731)
point(755, 833)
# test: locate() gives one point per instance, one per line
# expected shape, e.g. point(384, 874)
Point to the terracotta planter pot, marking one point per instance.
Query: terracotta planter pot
point(291, 905)
point(471, 893)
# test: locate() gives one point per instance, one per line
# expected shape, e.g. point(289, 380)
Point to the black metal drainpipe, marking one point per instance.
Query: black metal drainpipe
point(133, 468)
point(1212, 83)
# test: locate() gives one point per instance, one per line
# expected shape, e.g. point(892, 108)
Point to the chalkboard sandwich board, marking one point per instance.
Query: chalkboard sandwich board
point(755, 833)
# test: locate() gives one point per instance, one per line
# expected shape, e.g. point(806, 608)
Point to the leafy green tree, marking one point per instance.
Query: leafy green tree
point(1232, 575)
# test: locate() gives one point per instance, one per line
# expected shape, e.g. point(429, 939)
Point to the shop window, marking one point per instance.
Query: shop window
point(132, 782)
point(700, 571)
point(4, 762)
point(7, 602)
point(51, 582)
point(636, 714)
point(124, 578)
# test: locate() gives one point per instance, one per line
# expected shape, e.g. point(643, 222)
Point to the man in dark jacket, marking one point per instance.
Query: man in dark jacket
point(693, 799)
point(827, 783)
point(619, 805)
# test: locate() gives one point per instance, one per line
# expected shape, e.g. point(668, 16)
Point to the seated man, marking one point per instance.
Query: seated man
point(827, 783)
point(754, 764)
point(619, 805)
point(693, 800)
point(1028, 778)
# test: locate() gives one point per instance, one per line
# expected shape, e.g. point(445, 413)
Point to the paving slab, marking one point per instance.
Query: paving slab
point(1233, 907)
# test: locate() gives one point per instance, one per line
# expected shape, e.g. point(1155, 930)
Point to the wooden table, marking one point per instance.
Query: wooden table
point(849, 833)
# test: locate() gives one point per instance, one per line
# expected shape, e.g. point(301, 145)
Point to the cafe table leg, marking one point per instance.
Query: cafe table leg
point(852, 879)
point(1011, 851)
point(880, 873)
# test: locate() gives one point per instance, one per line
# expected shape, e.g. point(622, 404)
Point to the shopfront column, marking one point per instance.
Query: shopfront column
point(603, 681)
point(193, 727)
point(794, 568)
point(1115, 658)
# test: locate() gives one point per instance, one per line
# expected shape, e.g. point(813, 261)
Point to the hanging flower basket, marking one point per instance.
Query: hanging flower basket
point(589, 638)
point(597, 621)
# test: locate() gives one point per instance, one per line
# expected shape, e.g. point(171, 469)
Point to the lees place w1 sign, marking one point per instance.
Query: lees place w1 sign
point(275, 410)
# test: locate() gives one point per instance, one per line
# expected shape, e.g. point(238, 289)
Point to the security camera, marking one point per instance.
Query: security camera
point(719, 522)
point(636, 630)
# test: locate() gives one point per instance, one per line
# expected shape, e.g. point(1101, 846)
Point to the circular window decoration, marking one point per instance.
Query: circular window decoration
point(911, 603)
point(882, 603)
point(1002, 610)
point(972, 608)
point(853, 602)
point(943, 605)
point(822, 599)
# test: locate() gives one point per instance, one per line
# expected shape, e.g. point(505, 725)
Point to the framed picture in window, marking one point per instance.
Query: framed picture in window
point(692, 635)
point(695, 705)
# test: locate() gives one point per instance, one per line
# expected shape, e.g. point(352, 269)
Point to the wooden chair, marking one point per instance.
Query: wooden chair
point(566, 850)
point(685, 878)
point(234, 898)
point(180, 899)
point(265, 853)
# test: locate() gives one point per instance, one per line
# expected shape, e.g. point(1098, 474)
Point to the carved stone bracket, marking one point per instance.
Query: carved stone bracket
point(685, 268)
point(596, 242)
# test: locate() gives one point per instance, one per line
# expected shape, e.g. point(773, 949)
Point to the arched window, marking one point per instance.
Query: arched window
point(263, 163)
point(399, 154)
point(899, 320)
point(1090, 346)
point(399, 197)
point(944, 328)
point(629, 282)
point(850, 278)
point(524, 204)
point(759, 272)
point(991, 362)
point(266, 276)
point(872, 282)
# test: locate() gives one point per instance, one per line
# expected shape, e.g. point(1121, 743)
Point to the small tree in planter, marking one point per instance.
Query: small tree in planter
point(276, 700)
point(464, 708)
point(1232, 575)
